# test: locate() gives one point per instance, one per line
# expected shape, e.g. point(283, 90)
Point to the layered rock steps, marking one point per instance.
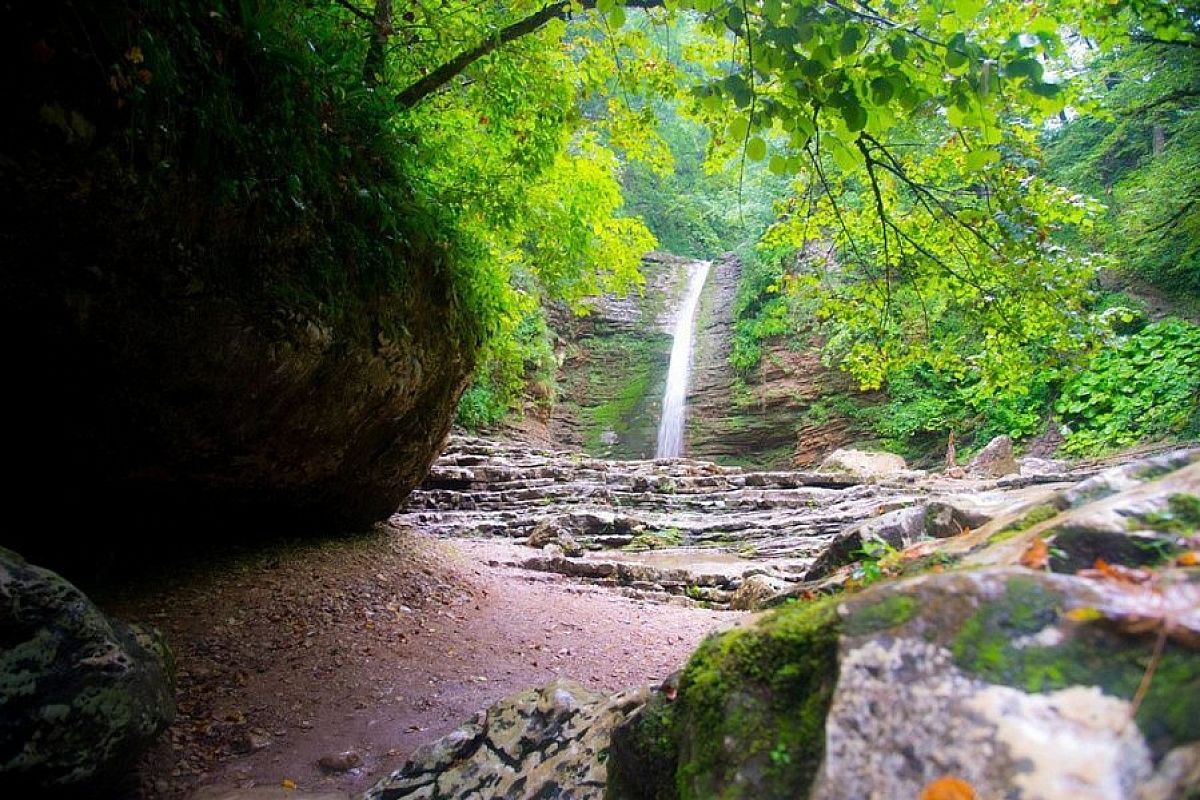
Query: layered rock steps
point(685, 528)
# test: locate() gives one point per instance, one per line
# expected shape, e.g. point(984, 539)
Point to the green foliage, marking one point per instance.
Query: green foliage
point(876, 558)
point(1141, 153)
point(516, 364)
point(763, 308)
point(1140, 386)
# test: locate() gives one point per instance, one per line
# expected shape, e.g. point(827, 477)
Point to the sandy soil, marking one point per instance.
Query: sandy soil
point(374, 645)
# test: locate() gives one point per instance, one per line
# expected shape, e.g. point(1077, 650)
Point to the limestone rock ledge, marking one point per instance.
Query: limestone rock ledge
point(548, 742)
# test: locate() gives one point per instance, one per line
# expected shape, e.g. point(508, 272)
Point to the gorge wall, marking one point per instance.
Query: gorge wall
point(614, 365)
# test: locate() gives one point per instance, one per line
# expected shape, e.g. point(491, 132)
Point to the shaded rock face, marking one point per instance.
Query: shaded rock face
point(81, 696)
point(544, 742)
point(181, 362)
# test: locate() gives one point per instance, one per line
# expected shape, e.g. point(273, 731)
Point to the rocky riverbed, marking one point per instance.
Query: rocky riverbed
point(687, 531)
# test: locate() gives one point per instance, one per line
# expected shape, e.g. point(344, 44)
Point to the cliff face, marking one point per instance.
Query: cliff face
point(614, 366)
point(775, 417)
point(183, 350)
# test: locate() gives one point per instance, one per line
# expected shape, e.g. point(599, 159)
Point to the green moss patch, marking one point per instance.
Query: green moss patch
point(1182, 516)
point(1034, 516)
point(752, 706)
point(891, 611)
point(995, 644)
point(656, 540)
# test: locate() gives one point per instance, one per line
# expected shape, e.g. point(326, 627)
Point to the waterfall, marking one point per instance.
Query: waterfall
point(670, 429)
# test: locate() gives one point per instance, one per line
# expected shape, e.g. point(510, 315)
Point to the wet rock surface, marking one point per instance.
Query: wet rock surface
point(688, 531)
point(81, 695)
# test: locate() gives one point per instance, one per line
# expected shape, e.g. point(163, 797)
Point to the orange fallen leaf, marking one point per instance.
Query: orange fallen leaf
point(948, 788)
point(1036, 555)
point(289, 784)
point(1102, 570)
point(1189, 559)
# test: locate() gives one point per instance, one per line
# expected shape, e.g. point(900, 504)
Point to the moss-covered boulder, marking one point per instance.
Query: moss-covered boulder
point(1020, 683)
point(81, 695)
point(221, 301)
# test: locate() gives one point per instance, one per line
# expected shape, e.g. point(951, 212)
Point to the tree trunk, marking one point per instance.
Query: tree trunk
point(381, 32)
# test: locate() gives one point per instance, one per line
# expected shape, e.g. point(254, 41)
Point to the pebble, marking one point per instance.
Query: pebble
point(340, 762)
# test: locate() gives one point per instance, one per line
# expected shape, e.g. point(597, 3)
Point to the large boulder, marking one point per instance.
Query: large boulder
point(81, 695)
point(995, 460)
point(192, 346)
point(863, 464)
point(1006, 679)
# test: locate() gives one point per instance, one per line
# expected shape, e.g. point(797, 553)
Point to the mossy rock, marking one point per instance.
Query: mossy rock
point(1012, 679)
point(227, 308)
point(748, 718)
point(81, 695)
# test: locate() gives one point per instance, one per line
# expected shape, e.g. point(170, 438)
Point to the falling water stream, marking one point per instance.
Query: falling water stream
point(670, 429)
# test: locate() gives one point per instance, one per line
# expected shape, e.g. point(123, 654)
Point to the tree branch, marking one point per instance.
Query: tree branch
point(355, 10)
point(442, 75)
point(1141, 38)
point(420, 89)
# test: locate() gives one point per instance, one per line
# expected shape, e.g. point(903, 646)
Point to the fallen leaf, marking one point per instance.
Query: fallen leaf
point(1036, 555)
point(289, 784)
point(134, 54)
point(1084, 614)
point(948, 788)
point(1188, 559)
point(1102, 570)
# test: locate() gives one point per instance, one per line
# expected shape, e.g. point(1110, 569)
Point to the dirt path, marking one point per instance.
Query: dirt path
point(375, 644)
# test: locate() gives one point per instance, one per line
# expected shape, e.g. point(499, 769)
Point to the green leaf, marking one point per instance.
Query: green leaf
point(882, 90)
point(1024, 68)
point(739, 89)
point(778, 165)
point(756, 148)
point(849, 41)
point(966, 10)
point(978, 159)
point(739, 126)
point(734, 18)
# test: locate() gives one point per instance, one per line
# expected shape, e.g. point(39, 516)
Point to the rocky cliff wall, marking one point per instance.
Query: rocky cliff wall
point(614, 366)
point(778, 415)
point(791, 410)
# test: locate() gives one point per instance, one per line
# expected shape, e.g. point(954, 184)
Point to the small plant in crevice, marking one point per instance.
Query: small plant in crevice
point(878, 560)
